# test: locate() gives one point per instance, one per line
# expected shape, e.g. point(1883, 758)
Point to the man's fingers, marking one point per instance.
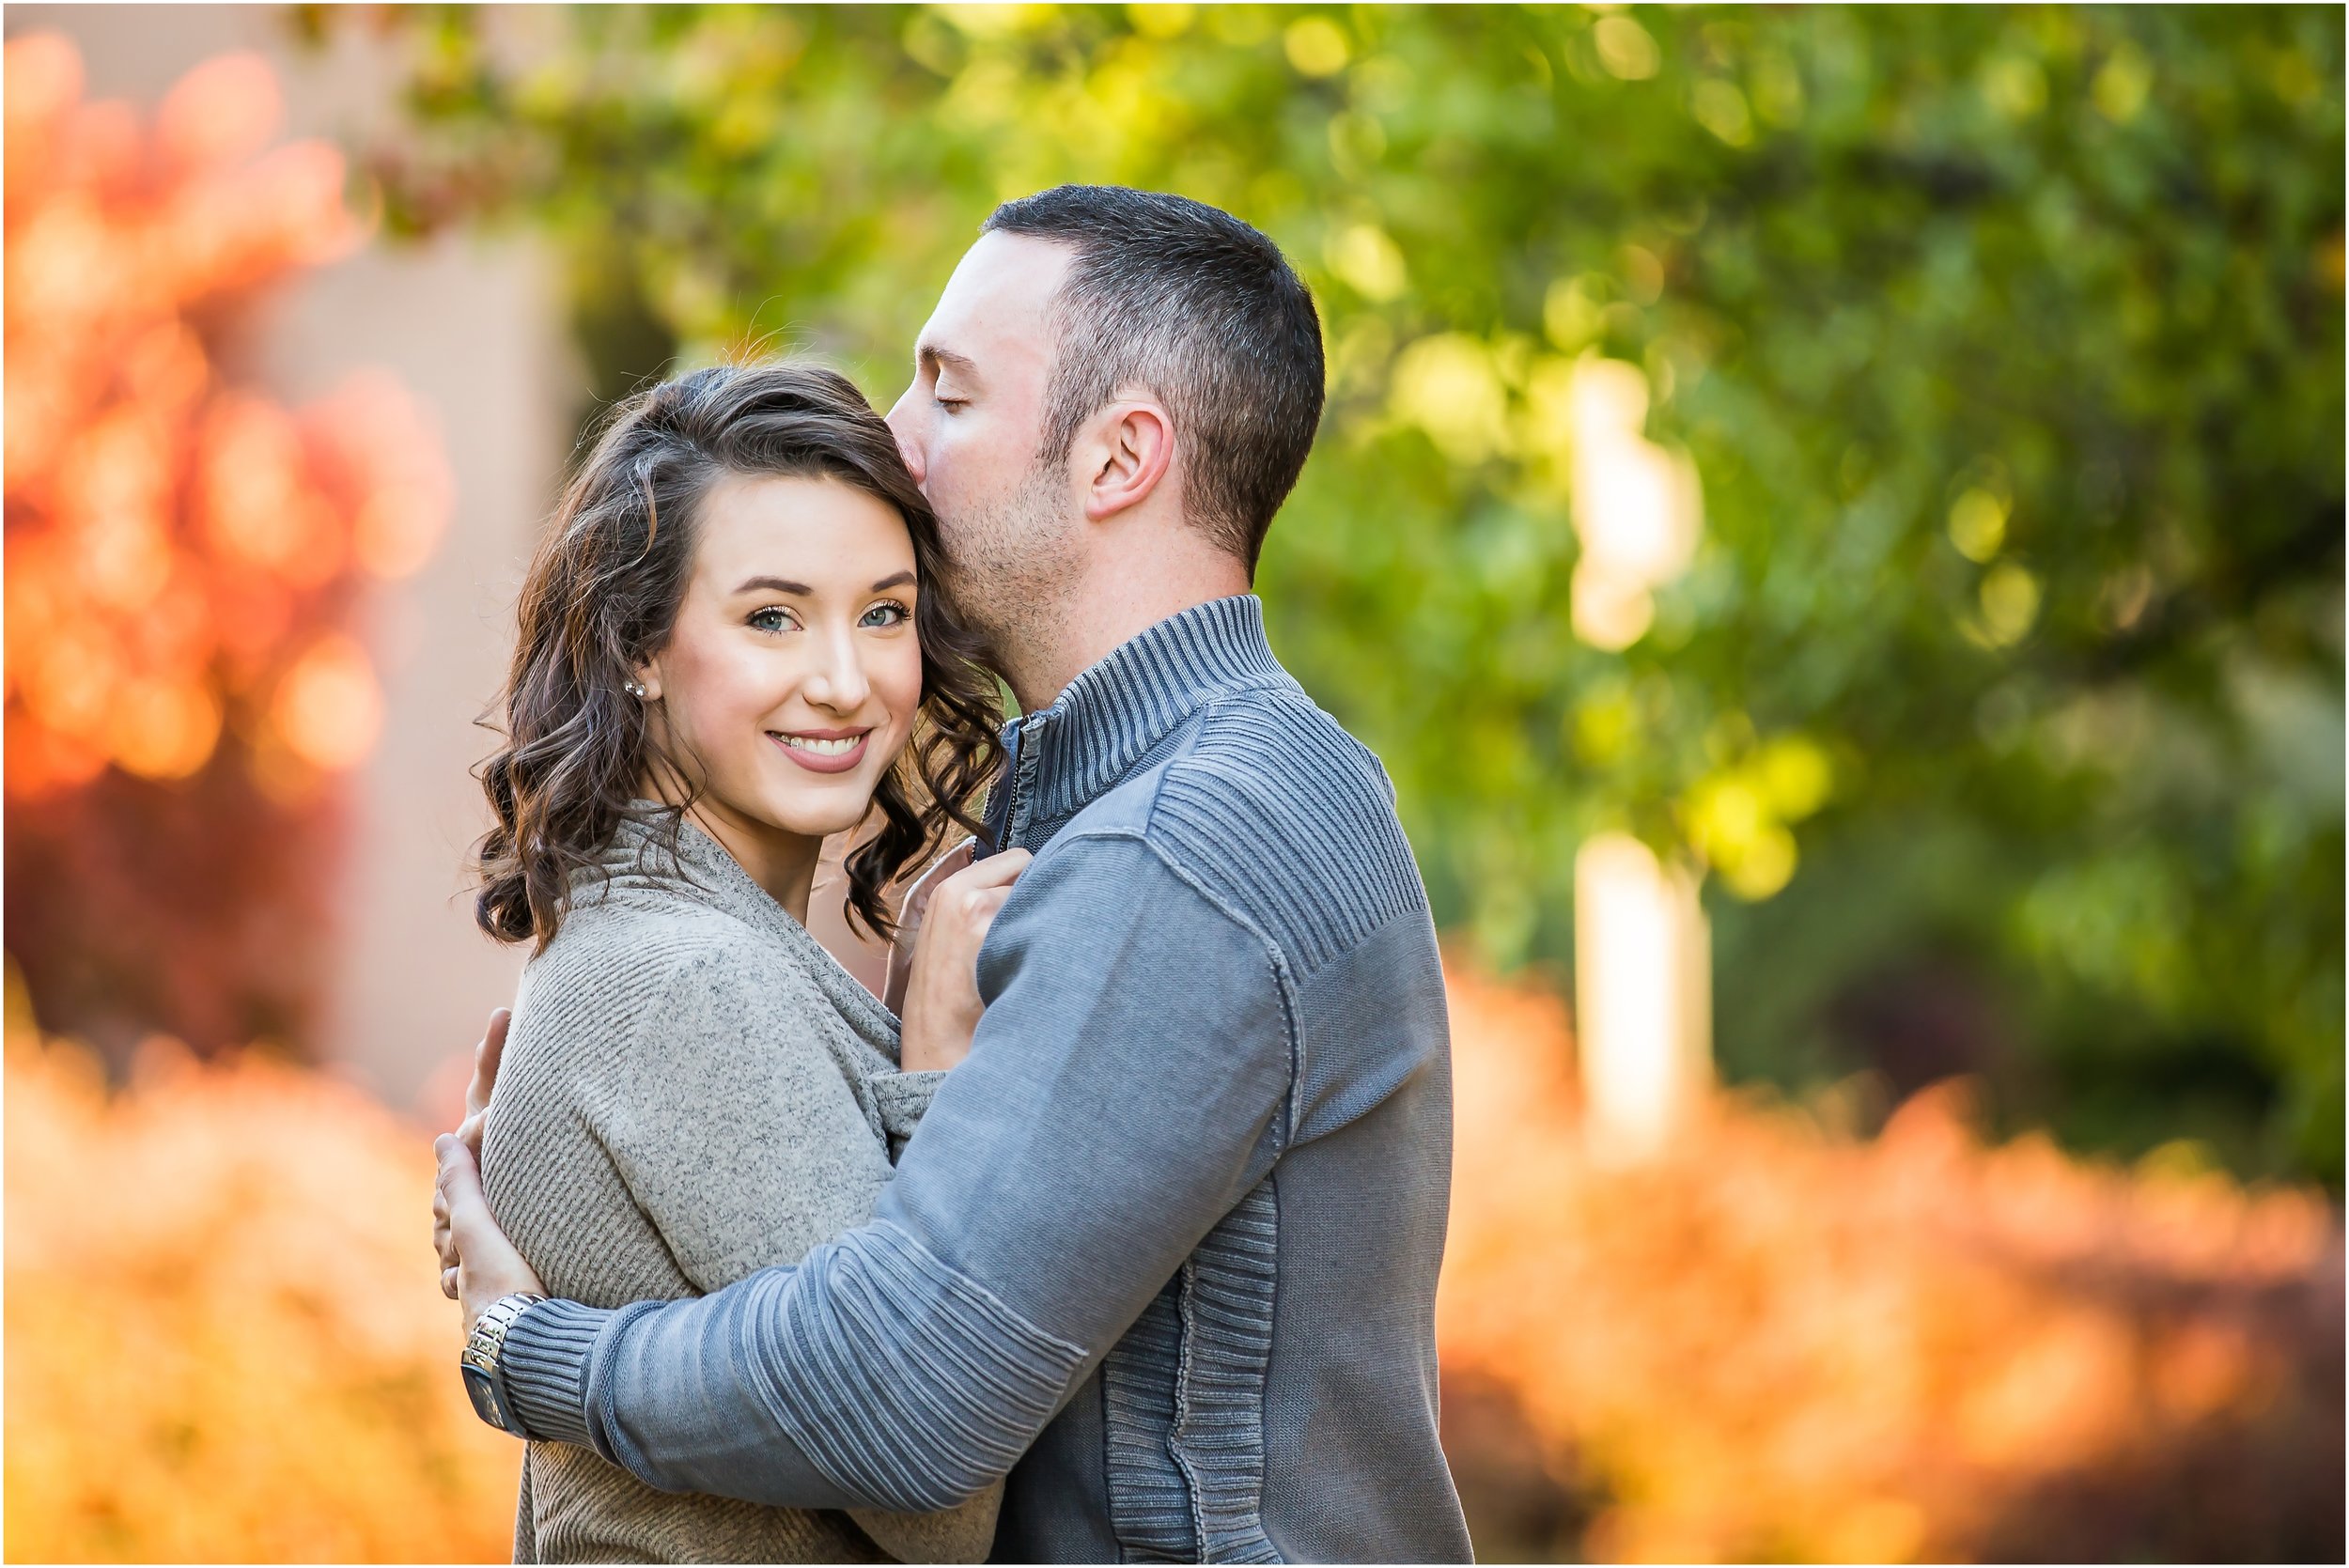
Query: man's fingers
point(460, 1180)
point(443, 1234)
point(456, 1165)
point(442, 1247)
point(486, 1057)
point(459, 1184)
point(487, 1264)
point(443, 1243)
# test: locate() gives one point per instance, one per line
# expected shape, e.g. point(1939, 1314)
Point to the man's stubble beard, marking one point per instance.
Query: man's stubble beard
point(1015, 567)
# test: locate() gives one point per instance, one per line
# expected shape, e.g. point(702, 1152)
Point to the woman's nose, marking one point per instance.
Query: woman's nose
point(837, 680)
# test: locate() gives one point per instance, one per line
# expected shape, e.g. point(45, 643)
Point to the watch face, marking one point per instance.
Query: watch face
point(483, 1389)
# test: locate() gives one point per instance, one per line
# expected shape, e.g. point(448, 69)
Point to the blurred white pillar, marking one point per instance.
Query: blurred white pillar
point(1638, 507)
point(1643, 957)
point(1644, 995)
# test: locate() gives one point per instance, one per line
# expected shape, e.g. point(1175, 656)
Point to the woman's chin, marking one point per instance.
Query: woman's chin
point(813, 808)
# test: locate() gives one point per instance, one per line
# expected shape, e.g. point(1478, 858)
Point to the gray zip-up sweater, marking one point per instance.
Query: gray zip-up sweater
point(1164, 1247)
point(693, 1091)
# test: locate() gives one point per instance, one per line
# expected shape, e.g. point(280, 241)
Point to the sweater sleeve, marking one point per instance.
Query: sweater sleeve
point(1128, 1085)
point(741, 1136)
point(903, 1097)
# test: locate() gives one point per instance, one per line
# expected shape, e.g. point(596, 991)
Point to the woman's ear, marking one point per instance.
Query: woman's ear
point(647, 679)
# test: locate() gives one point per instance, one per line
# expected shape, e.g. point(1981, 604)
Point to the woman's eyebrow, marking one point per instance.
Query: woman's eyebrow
point(784, 585)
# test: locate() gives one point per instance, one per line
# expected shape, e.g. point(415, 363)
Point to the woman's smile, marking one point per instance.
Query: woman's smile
point(823, 751)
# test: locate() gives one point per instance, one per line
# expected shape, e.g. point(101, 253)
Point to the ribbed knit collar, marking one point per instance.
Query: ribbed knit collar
point(703, 871)
point(1111, 715)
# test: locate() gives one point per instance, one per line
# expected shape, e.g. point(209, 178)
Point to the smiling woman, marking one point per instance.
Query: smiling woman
point(733, 644)
point(779, 703)
point(742, 566)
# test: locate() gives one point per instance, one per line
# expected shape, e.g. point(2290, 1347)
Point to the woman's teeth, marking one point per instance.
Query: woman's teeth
point(841, 747)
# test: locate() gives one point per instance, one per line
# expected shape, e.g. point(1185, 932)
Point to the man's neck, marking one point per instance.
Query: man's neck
point(1105, 613)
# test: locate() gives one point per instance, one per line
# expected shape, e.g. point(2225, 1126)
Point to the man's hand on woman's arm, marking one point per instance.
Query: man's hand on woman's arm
point(487, 1265)
point(960, 900)
point(1114, 1109)
point(477, 1263)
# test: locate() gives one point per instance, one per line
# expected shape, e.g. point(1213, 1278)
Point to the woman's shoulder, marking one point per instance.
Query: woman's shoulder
point(644, 976)
point(642, 942)
point(686, 880)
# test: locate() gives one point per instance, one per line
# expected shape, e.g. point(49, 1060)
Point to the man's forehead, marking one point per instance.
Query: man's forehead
point(997, 297)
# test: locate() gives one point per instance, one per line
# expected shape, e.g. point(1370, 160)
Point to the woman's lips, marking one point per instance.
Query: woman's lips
point(820, 752)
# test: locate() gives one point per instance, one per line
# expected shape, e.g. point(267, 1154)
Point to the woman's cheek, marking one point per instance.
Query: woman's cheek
point(905, 688)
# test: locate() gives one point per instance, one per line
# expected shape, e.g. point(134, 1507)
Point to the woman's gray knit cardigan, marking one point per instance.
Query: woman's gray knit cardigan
point(693, 1091)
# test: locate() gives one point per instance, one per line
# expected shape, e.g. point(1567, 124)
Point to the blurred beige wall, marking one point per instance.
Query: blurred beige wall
point(472, 330)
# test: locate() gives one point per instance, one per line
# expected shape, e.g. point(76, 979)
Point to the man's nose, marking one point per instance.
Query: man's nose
point(903, 424)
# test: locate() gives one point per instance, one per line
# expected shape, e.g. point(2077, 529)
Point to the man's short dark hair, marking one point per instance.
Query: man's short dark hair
point(1184, 299)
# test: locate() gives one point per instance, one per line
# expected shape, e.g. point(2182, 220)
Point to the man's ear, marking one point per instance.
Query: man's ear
point(1129, 446)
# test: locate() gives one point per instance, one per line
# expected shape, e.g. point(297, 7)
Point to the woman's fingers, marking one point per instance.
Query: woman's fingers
point(996, 870)
point(939, 997)
point(925, 887)
point(977, 893)
point(913, 914)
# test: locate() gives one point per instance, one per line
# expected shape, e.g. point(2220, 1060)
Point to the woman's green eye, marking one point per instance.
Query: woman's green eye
point(770, 619)
point(885, 614)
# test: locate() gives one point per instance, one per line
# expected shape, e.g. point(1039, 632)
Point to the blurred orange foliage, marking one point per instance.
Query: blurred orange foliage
point(1785, 1343)
point(177, 546)
point(187, 561)
point(225, 1342)
point(225, 1337)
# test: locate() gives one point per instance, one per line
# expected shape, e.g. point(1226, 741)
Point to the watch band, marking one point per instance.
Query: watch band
point(478, 1362)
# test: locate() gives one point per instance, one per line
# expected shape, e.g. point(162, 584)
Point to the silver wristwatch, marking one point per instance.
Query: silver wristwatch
point(478, 1363)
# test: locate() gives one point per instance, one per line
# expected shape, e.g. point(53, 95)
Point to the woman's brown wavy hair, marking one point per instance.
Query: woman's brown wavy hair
point(603, 598)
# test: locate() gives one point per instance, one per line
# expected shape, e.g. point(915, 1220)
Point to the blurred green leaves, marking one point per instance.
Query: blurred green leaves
point(2006, 345)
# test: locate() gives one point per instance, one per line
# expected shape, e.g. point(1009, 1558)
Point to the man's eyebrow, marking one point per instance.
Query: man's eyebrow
point(961, 363)
point(894, 581)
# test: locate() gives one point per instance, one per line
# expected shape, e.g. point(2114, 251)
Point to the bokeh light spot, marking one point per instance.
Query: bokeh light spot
point(328, 707)
point(162, 729)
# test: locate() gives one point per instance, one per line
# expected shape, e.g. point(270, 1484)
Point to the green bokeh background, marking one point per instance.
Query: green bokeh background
point(2061, 807)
